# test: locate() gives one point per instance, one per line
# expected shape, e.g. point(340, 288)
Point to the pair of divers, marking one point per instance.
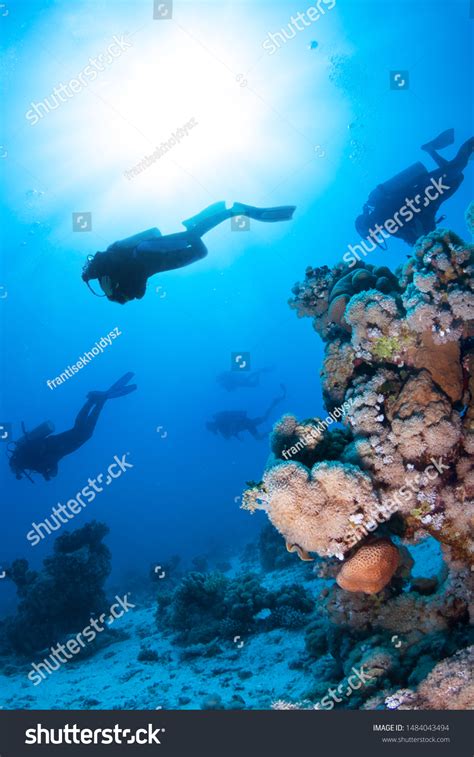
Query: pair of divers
point(122, 271)
point(389, 200)
point(40, 450)
point(125, 267)
point(232, 380)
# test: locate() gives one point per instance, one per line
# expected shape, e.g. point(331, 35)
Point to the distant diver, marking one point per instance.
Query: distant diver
point(415, 195)
point(231, 380)
point(40, 450)
point(124, 268)
point(231, 423)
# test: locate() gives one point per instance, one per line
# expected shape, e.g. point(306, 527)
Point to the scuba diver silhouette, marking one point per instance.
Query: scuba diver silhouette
point(415, 194)
point(124, 268)
point(231, 423)
point(231, 380)
point(40, 450)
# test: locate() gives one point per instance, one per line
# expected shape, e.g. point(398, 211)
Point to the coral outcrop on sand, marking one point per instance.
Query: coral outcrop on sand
point(206, 607)
point(61, 598)
point(399, 354)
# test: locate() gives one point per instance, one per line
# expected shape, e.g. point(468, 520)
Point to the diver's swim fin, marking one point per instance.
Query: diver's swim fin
point(119, 389)
point(121, 392)
point(282, 213)
point(445, 139)
point(207, 214)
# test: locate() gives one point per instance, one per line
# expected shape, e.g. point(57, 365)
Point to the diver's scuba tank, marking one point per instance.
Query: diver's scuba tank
point(388, 198)
point(40, 432)
point(398, 188)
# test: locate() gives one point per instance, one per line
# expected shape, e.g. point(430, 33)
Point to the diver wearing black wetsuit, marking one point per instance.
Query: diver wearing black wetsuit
point(396, 197)
point(231, 423)
point(124, 268)
point(43, 454)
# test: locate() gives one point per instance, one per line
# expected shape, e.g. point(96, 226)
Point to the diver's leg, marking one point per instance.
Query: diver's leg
point(208, 219)
point(84, 425)
point(86, 422)
point(458, 164)
point(217, 213)
point(438, 159)
point(83, 413)
point(60, 445)
point(183, 250)
point(445, 139)
point(252, 429)
point(274, 403)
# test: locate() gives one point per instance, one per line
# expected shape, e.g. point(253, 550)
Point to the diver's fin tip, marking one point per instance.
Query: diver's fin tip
point(445, 139)
point(120, 388)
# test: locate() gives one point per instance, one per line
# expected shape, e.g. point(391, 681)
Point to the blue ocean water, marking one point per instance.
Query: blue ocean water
point(315, 126)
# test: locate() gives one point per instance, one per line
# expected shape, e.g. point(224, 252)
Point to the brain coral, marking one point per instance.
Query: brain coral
point(370, 568)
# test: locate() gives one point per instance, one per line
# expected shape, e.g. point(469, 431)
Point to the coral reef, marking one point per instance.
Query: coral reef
point(206, 607)
point(399, 353)
point(61, 598)
point(448, 686)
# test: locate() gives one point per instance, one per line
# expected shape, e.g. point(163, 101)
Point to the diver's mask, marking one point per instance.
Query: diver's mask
point(111, 290)
point(15, 464)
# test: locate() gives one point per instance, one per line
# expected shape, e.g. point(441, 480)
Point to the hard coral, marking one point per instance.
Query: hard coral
point(370, 568)
point(399, 346)
point(313, 509)
point(61, 598)
point(206, 607)
point(449, 686)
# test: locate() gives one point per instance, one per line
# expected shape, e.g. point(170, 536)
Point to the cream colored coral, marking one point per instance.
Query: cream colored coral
point(313, 508)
